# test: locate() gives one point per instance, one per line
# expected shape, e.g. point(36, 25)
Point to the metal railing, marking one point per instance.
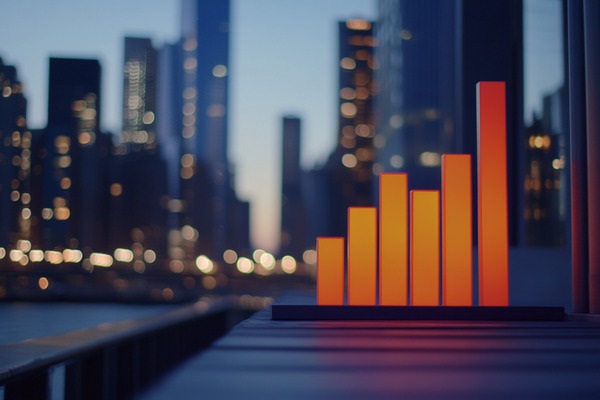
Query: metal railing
point(115, 360)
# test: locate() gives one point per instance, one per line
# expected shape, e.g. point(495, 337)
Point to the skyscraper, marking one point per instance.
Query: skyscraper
point(15, 160)
point(431, 55)
point(139, 93)
point(205, 185)
point(74, 194)
point(138, 181)
point(293, 237)
point(351, 165)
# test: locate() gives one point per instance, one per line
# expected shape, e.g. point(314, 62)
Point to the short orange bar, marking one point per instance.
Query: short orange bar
point(424, 247)
point(393, 239)
point(492, 208)
point(362, 256)
point(330, 271)
point(457, 231)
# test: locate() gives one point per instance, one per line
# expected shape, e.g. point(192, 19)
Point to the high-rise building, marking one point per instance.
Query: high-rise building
point(351, 164)
point(138, 181)
point(431, 55)
point(15, 160)
point(544, 181)
point(205, 174)
point(74, 152)
point(139, 93)
point(293, 237)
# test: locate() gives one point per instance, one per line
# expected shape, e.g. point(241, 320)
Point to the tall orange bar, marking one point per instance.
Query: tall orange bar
point(492, 208)
point(330, 271)
point(424, 247)
point(393, 239)
point(362, 256)
point(457, 231)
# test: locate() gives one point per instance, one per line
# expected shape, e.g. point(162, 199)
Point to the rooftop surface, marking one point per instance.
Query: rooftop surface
point(265, 359)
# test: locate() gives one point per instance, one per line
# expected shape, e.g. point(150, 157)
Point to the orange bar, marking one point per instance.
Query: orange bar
point(424, 247)
point(393, 239)
point(457, 235)
point(492, 206)
point(330, 271)
point(362, 256)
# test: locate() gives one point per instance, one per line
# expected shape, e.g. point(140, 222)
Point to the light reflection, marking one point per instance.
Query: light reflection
point(150, 256)
point(288, 264)
point(204, 264)
point(123, 255)
point(257, 254)
point(101, 260)
point(53, 256)
point(36, 255)
point(43, 283)
point(245, 265)
point(230, 256)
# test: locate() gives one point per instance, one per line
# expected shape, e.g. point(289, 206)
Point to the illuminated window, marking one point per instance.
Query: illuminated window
point(116, 189)
point(219, 71)
point(347, 63)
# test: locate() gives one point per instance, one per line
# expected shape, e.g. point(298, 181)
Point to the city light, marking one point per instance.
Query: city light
point(288, 264)
point(245, 265)
point(123, 255)
point(204, 264)
point(101, 260)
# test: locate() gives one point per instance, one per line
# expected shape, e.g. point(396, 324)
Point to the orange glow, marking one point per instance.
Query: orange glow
point(457, 235)
point(362, 255)
point(393, 240)
point(492, 194)
point(330, 271)
point(424, 247)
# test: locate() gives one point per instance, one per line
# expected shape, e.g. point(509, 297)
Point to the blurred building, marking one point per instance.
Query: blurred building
point(15, 160)
point(293, 235)
point(139, 93)
point(204, 112)
point(138, 174)
point(431, 55)
point(74, 159)
point(544, 181)
point(350, 167)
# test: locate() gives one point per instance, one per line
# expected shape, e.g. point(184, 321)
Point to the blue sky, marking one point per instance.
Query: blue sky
point(283, 61)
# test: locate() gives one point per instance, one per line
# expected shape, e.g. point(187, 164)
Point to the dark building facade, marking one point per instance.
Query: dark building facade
point(350, 167)
point(206, 179)
point(74, 155)
point(16, 217)
point(293, 236)
point(431, 55)
point(139, 93)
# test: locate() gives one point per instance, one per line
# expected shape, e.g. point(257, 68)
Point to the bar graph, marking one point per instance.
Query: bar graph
point(412, 257)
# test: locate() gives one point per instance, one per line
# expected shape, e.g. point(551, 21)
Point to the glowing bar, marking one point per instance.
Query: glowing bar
point(424, 247)
point(362, 255)
point(457, 235)
point(393, 239)
point(330, 271)
point(492, 194)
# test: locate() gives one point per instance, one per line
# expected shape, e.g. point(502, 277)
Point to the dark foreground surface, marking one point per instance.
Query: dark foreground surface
point(265, 359)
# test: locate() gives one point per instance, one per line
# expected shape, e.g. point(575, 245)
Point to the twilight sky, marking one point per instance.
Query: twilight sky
point(283, 61)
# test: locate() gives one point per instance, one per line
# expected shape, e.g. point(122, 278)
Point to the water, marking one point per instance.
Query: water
point(20, 321)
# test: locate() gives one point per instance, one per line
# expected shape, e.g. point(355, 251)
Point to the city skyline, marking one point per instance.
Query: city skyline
point(266, 68)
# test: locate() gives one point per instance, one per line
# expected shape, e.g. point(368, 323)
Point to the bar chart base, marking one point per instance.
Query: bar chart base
point(284, 312)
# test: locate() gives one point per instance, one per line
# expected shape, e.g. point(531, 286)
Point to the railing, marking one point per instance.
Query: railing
point(115, 360)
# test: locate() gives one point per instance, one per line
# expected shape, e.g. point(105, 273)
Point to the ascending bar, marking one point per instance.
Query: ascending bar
point(362, 255)
point(457, 235)
point(492, 194)
point(424, 247)
point(330, 271)
point(393, 240)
